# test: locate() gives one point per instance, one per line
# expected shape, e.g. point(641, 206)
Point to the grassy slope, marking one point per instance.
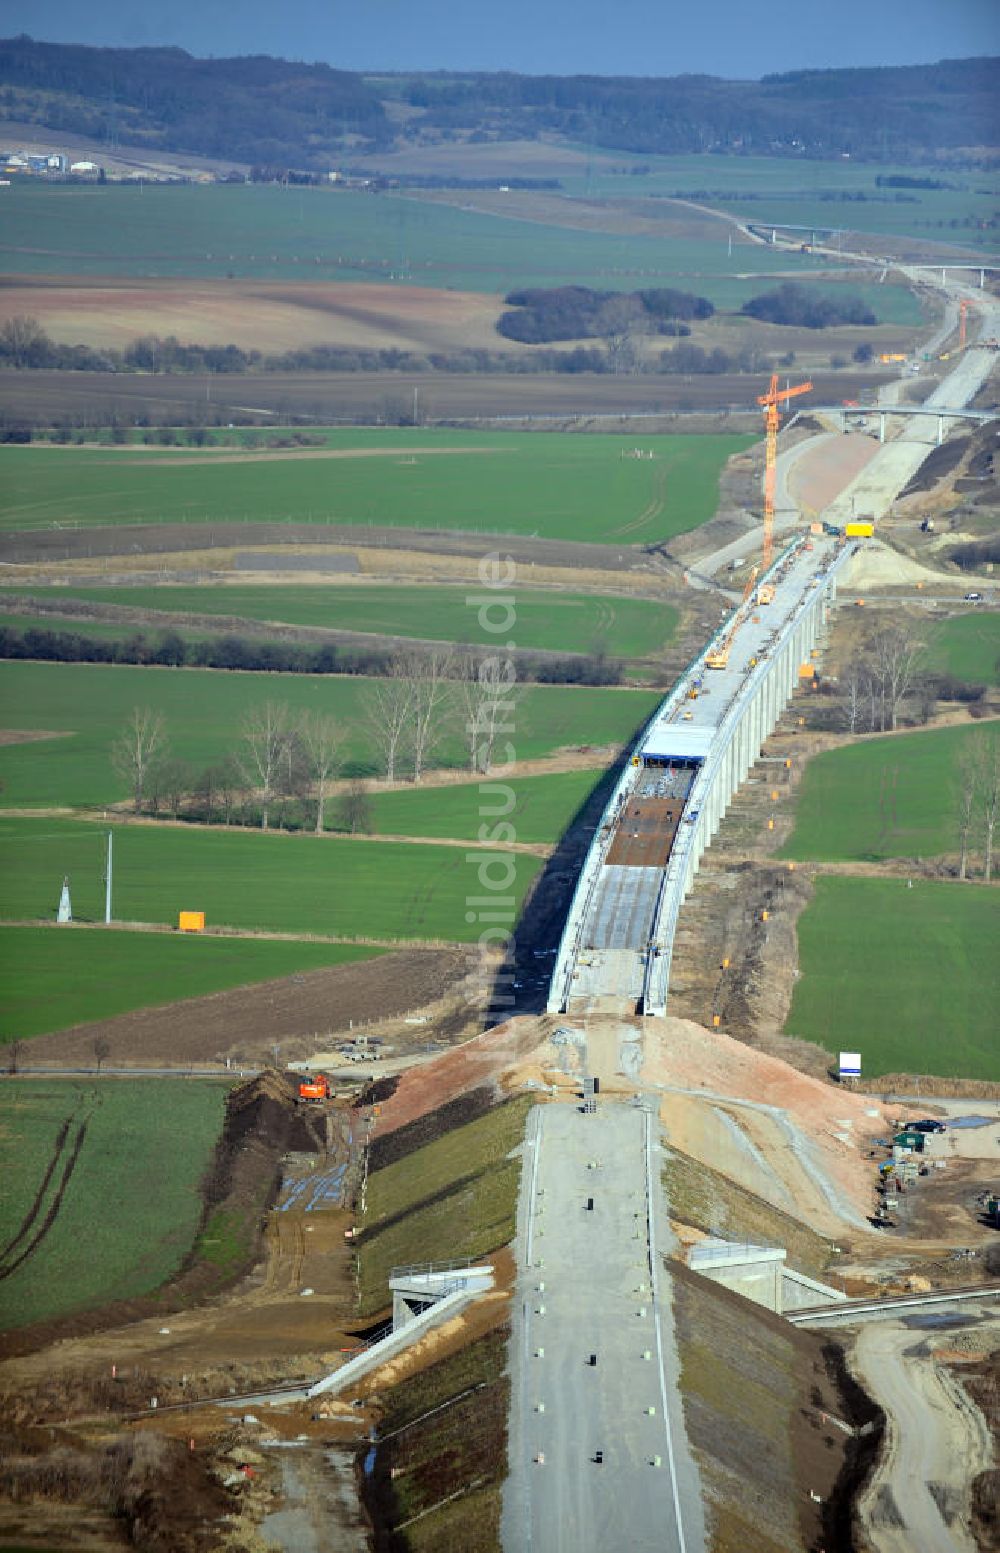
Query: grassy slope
point(744, 1448)
point(923, 991)
point(243, 879)
point(845, 807)
point(454, 1197)
point(562, 622)
point(717, 1205)
point(540, 483)
point(57, 979)
point(424, 1473)
point(145, 1152)
point(968, 646)
point(204, 711)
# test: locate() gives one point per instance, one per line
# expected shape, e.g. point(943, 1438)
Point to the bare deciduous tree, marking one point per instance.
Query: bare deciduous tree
point(989, 797)
point(354, 811)
point(170, 783)
point(226, 785)
point(489, 696)
point(264, 752)
point(322, 745)
point(893, 656)
point(388, 713)
point(856, 687)
point(432, 689)
point(24, 341)
point(623, 320)
point(137, 749)
point(976, 795)
point(965, 785)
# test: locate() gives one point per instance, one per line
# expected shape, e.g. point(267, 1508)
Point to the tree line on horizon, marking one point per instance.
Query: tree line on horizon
point(260, 110)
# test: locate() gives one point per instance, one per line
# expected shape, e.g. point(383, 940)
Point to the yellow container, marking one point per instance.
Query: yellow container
point(860, 530)
point(191, 922)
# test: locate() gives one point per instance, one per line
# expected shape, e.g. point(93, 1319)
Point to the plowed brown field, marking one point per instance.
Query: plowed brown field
point(259, 315)
point(245, 1024)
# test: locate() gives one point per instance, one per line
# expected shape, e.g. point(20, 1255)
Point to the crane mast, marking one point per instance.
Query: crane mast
point(772, 419)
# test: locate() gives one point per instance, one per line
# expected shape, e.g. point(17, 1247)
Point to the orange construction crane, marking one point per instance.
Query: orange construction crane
point(770, 402)
point(963, 308)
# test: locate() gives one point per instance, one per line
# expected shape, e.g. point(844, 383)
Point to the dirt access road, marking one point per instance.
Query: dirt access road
point(918, 1496)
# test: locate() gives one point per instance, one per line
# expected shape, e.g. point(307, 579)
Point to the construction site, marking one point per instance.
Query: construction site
point(638, 1263)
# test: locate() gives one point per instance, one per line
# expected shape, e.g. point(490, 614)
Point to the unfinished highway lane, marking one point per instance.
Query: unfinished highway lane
point(597, 1450)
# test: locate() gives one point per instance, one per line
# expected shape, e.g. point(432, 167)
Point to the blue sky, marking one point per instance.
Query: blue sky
point(741, 39)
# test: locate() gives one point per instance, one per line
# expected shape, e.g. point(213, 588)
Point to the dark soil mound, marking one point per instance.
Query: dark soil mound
point(937, 465)
point(377, 1091)
point(415, 1135)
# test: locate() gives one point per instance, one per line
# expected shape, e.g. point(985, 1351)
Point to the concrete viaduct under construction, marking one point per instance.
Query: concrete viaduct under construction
point(617, 944)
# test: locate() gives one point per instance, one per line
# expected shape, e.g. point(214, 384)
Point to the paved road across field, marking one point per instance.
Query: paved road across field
point(584, 1287)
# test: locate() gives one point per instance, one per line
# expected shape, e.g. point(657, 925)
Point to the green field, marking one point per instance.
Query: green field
point(99, 629)
point(55, 978)
point(129, 1211)
point(543, 807)
point(968, 647)
point(323, 235)
point(886, 797)
point(452, 1198)
point(203, 710)
point(923, 992)
point(838, 193)
point(265, 232)
point(539, 483)
point(557, 622)
point(244, 879)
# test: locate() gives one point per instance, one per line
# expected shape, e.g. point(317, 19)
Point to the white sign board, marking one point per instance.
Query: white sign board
point(850, 1064)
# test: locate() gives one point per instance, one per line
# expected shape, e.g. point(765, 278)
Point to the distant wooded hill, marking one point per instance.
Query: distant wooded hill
point(274, 112)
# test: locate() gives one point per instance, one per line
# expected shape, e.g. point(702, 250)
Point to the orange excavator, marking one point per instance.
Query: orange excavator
point(314, 1089)
point(770, 402)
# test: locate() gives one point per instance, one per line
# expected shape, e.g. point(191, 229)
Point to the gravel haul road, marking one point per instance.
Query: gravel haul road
point(919, 1494)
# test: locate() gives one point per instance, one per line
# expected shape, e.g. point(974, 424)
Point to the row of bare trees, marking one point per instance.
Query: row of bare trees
point(425, 701)
point(877, 681)
point(280, 755)
point(976, 792)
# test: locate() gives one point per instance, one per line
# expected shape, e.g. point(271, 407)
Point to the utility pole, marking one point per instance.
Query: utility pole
point(107, 882)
